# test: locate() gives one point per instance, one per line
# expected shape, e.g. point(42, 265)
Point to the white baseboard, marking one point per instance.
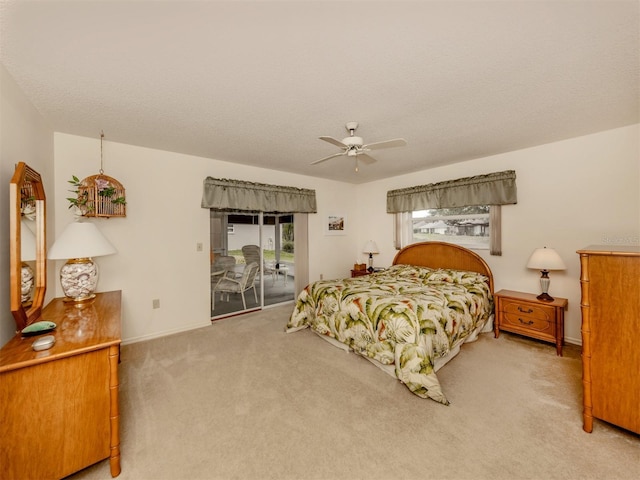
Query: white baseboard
point(573, 341)
point(165, 333)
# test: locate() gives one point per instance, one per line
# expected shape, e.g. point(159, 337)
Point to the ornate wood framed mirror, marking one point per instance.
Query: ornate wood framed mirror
point(27, 206)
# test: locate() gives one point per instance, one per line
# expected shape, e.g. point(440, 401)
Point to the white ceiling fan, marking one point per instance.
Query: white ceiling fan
point(353, 146)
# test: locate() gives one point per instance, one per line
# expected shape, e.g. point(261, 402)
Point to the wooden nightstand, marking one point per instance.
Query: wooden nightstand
point(524, 314)
point(359, 273)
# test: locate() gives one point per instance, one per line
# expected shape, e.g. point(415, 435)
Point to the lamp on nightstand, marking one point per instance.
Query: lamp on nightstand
point(370, 248)
point(545, 259)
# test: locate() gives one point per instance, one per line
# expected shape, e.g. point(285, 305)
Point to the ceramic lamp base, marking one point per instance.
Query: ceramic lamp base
point(545, 281)
point(79, 279)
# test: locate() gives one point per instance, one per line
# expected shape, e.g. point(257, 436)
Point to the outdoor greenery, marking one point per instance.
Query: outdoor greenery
point(287, 247)
point(287, 232)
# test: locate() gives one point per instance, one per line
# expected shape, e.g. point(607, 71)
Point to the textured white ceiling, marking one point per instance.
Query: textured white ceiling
point(258, 82)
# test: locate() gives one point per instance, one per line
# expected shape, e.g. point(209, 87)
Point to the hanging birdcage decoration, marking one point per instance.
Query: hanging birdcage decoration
point(28, 201)
point(104, 196)
point(99, 195)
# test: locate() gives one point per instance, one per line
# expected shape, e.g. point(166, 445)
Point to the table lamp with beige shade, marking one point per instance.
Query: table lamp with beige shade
point(79, 243)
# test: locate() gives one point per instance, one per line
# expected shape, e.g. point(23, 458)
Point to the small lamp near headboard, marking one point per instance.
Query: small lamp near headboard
point(370, 247)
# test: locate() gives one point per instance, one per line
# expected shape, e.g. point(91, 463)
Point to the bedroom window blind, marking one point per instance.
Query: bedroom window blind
point(497, 188)
point(239, 196)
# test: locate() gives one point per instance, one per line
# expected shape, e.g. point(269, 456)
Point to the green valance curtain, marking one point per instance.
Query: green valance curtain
point(497, 188)
point(239, 196)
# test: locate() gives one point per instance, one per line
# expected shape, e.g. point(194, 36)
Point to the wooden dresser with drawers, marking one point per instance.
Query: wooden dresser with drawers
point(610, 304)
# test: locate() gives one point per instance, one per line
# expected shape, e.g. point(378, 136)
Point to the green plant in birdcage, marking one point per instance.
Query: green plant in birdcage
point(81, 199)
point(27, 205)
point(84, 203)
point(105, 189)
point(97, 195)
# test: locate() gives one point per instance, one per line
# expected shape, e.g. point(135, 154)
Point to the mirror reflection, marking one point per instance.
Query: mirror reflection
point(27, 245)
point(27, 257)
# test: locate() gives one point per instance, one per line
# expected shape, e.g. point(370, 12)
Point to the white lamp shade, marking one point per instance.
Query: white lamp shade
point(370, 247)
point(80, 240)
point(545, 259)
point(27, 243)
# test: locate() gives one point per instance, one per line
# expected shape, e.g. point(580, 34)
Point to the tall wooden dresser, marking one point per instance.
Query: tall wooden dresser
point(60, 406)
point(610, 304)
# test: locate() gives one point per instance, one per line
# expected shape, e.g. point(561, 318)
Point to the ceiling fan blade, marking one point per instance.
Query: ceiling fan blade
point(334, 141)
point(396, 142)
point(329, 157)
point(364, 158)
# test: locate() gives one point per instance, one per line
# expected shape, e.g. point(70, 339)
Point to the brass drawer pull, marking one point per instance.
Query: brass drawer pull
point(520, 309)
point(530, 322)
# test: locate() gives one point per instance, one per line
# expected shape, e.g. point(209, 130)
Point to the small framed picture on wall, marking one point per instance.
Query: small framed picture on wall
point(335, 224)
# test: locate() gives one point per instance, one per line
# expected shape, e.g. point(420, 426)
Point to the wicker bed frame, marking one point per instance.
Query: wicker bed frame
point(443, 255)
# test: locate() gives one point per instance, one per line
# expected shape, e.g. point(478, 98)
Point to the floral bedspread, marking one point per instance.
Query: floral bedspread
point(406, 316)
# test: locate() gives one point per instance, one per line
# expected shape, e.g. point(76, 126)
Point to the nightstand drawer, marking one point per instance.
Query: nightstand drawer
point(541, 312)
point(528, 323)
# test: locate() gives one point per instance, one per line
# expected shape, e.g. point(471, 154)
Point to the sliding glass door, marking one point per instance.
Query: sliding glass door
point(240, 240)
point(279, 259)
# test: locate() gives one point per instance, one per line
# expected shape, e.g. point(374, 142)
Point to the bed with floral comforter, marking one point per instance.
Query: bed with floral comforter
point(406, 316)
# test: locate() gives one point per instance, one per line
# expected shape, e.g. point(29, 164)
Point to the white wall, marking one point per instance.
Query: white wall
point(571, 194)
point(156, 241)
point(574, 193)
point(24, 137)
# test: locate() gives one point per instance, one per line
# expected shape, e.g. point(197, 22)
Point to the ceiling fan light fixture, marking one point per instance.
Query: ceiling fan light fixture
point(353, 141)
point(353, 146)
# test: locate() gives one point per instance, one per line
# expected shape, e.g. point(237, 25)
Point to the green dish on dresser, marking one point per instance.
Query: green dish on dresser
point(38, 328)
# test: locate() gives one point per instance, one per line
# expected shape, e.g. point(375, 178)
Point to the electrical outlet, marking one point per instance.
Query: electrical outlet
point(199, 247)
point(156, 303)
point(321, 276)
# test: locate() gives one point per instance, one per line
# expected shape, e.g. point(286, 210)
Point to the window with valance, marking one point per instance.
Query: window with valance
point(493, 190)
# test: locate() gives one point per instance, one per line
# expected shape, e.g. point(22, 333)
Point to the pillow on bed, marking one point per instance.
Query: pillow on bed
point(409, 271)
point(455, 276)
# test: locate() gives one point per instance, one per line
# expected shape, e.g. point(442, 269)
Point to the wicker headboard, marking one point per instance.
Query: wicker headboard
point(443, 255)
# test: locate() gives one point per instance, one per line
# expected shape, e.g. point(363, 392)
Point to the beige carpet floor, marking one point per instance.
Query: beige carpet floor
point(241, 399)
